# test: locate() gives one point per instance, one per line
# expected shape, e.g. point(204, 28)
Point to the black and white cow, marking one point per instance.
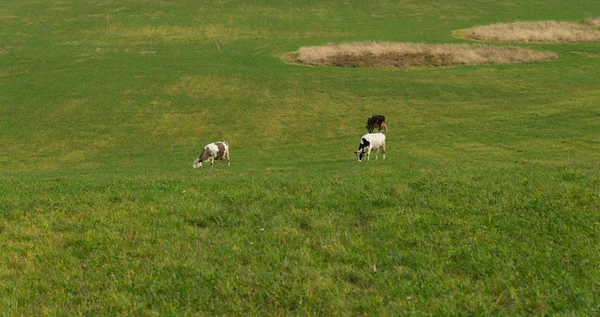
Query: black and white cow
point(376, 121)
point(216, 150)
point(368, 142)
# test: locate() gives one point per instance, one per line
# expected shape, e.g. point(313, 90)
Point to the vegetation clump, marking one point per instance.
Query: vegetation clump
point(535, 32)
point(400, 55)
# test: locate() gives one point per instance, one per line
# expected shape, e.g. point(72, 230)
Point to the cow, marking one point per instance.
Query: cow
point(376, 121)
point(368, 142)
point(216, 150)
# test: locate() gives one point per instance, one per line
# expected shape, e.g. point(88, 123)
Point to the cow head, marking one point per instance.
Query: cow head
point(362, 148)
point(360, 154)
point(197, 163)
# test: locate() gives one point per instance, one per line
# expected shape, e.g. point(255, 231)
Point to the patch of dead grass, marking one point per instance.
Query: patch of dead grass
point(533, 32)
point(592, 21)
point(387, 54)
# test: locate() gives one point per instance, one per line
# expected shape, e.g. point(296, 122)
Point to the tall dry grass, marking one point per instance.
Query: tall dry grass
point(382, 54)
point(592, 21)
point(534, 32)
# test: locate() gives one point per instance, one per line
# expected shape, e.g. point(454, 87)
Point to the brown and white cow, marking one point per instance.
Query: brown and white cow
point(215, 151)
point(376, 121)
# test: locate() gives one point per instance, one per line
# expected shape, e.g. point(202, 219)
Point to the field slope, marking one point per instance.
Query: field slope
point(487, 203)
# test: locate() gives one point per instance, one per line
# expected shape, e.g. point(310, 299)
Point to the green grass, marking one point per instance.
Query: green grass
point(487, 203)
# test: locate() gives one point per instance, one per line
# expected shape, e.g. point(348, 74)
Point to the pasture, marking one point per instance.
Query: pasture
point(488, 201)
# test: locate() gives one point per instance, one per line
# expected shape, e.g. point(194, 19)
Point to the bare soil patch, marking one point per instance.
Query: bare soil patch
point(402, 55)
point(534, 32)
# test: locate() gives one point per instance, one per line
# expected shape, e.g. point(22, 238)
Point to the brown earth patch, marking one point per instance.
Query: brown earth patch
point(402, 55)
point(392, 59)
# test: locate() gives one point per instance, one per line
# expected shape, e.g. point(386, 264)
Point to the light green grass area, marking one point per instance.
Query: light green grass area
point(488, 202)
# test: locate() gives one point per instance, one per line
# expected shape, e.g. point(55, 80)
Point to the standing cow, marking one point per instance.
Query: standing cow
point(368, 142)
point(216, 150)
point(376, 121)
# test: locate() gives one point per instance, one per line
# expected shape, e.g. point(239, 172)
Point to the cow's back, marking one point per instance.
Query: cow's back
point(376, 139)
point(223, 148)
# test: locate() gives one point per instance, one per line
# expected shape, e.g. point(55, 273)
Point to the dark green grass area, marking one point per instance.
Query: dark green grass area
point(487, 203)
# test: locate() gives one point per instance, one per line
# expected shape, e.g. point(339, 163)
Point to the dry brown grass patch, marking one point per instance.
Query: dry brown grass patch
point(592, 21)
point(533, 32)
point(386, 54)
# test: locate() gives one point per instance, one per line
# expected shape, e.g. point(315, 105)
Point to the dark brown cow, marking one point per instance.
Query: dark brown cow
point(376, 121)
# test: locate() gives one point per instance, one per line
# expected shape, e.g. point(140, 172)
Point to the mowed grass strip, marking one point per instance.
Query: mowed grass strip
point(389, 54)
point(534, 32)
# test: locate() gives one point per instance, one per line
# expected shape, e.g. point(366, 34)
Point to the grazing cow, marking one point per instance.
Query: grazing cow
point(376, 121)
point(216, 150)
point(368, 142)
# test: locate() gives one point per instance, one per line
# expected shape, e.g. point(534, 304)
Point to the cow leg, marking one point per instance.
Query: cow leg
point(383, 149)
point(377, 154)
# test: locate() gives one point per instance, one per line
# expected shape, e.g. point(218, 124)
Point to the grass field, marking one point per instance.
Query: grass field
point(488, 202)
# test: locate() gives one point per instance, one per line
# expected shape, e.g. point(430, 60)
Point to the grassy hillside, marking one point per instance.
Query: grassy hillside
point(487, 202)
